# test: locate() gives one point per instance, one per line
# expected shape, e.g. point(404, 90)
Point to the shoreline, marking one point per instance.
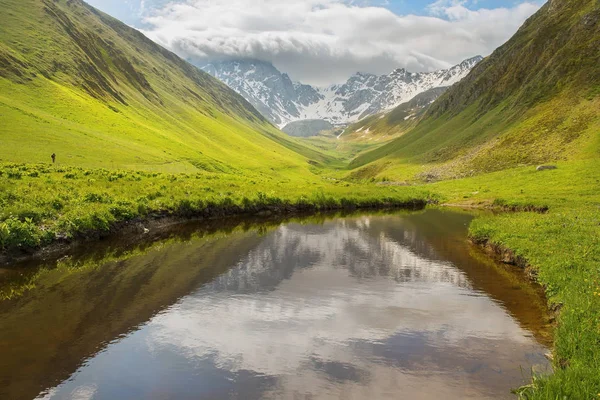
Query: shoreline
point(162, 220)
point(505, 255)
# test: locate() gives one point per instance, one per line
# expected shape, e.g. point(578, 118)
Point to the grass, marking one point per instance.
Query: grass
point(40, 204)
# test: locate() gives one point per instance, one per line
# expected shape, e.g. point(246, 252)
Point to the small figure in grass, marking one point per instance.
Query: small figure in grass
point(53, 158)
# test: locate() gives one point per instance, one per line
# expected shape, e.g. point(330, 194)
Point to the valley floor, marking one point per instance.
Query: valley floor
point(40, 204)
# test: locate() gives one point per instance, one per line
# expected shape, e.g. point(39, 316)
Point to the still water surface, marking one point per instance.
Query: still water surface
point(363, 307)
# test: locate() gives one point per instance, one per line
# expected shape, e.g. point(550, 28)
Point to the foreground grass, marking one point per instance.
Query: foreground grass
point(563, 246)
point(40, 204)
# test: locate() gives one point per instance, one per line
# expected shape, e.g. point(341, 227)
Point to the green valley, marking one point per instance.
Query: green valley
point(140, 134)
point(98, 93)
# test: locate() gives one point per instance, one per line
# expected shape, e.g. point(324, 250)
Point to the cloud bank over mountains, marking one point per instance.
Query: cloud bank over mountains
point(325, 41)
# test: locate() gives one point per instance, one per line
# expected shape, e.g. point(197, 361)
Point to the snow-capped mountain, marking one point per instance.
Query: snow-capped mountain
point(283, 101)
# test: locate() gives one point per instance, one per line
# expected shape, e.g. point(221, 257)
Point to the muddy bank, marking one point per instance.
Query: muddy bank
point(507, 256)
point(498, 207)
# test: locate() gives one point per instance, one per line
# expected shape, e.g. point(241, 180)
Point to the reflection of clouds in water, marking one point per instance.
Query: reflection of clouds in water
point(343, 244)
point(351, 309)
point(83, 392)
point(315, 302)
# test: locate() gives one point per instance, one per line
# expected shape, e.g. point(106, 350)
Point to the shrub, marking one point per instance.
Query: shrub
point(97, 198)
point(57, 204)
point(19, 234)
point(123, 210)
point(14, 174)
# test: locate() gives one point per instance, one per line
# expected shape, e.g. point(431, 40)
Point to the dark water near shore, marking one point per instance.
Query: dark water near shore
point(360, 307)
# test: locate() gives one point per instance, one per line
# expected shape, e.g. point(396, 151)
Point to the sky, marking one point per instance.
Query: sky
point(321, 42)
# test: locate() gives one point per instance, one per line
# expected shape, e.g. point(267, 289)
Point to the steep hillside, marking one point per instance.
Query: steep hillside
point(283, 101)
point(534, 100)
point(78, 83)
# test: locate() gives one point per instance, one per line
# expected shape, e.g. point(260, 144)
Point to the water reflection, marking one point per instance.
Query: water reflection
point(364, 307)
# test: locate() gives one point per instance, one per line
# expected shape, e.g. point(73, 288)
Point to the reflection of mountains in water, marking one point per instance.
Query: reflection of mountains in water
point(358, 246)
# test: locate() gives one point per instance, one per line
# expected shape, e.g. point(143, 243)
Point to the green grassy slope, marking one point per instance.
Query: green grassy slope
point(534, 100)
point(79, 83)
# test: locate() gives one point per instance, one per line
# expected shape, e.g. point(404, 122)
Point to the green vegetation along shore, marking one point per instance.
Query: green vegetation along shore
point(41, 204)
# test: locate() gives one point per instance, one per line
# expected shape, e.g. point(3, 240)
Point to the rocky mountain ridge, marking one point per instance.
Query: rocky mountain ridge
point(282, 100)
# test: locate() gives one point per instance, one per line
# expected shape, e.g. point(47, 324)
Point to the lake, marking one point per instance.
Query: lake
point(382, 306)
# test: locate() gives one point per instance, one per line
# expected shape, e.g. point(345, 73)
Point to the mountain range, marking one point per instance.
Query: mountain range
point(282, 100)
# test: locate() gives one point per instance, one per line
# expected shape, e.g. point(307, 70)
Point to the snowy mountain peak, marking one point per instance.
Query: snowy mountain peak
point(283, 101)
point(399, 71)
point(471, 62)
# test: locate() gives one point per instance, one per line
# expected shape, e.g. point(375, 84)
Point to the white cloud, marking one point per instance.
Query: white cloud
point(325, 41)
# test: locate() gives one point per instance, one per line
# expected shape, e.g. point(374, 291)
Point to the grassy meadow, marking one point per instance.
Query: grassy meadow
point(40, 204)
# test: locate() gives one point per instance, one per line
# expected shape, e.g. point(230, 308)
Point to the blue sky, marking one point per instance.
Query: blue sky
point(132, 11)
point(321, 42)
point(403, 7)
